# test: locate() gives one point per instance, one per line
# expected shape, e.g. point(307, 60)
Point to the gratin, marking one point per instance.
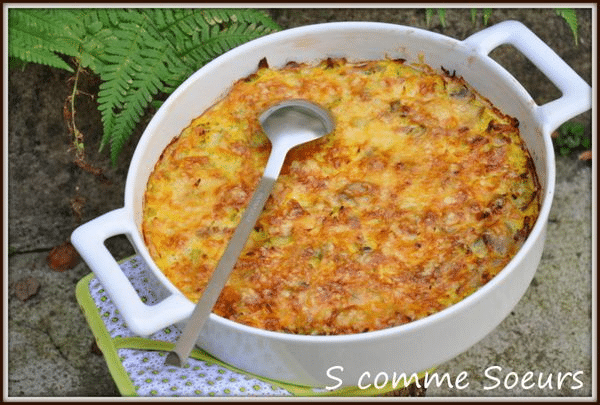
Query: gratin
point(421, 195)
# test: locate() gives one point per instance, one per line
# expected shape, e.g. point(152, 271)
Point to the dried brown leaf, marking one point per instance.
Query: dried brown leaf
point(63, 257)
point(26, 288)
point(587, 155)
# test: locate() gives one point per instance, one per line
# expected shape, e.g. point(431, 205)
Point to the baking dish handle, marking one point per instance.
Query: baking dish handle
point(576, 93)
point(142, 319)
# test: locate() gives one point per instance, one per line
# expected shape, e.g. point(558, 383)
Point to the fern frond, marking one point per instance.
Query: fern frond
point(143, 90)
point(441, 13)
point(199, 35)
point(126, 120)
point(232, 15)
point(132, 78)
point(139, 54)
point(40, 35)
point(487, 13)
point(442, 16)
point(569, 15)
point(29, 48)
point(428, 16)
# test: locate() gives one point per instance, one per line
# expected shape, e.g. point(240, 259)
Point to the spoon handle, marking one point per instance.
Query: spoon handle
point(219, 278)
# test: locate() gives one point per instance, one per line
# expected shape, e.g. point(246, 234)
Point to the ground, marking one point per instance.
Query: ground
point(51, 350)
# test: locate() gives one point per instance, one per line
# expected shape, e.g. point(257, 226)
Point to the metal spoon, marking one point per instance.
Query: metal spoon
point(287, 124)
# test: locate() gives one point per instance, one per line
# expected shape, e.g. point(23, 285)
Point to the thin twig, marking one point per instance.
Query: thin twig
point(78, 141)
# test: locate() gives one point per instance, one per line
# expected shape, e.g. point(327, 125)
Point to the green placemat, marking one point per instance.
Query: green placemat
point(137, 364)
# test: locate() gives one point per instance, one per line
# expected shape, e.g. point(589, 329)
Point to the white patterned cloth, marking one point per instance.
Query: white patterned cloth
point(151, 378)
point(145, 368)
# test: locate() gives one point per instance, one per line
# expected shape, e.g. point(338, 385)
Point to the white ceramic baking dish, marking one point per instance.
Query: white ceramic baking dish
point(412, 347)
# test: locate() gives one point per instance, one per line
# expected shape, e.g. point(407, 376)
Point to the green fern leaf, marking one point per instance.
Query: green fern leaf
point(442, 16)
point(473, 15)
point(26, 48)
point(428, 16)
point(95, 38)
point(126, 121)
point(130, 63)
point(139, 54)
point(569, 15)
point(209, 33)
point(40, 35)
point(199, 35)
point(441, 13)
point(487, 13)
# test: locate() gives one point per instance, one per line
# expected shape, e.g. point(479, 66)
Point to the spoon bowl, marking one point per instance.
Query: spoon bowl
point(294, 122)
point(291, 123)
point(286, 124)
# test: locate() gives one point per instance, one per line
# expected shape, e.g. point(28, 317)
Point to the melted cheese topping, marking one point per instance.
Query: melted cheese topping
point(420, 196)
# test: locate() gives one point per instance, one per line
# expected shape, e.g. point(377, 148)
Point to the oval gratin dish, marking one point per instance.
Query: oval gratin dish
point(412, 347)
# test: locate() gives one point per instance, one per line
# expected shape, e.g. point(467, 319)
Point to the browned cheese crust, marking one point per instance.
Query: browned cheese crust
point(421, 195)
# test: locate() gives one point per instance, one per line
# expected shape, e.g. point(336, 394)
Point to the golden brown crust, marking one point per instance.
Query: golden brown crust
point(422, 194)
